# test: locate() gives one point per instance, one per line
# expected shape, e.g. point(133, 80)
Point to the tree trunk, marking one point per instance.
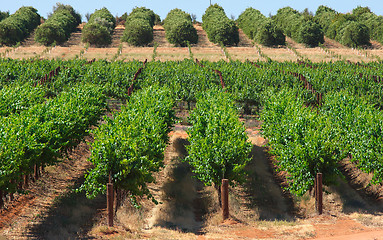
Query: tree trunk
point(218, 188)
point(1, 199)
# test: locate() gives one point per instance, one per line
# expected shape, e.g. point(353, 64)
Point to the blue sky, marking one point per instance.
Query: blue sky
point(197, 7)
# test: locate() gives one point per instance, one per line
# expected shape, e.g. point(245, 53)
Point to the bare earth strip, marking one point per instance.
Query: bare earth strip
point(205, 49)
point(278, 54)
point(159, 36)
point(116, 36)
point(244, 50)
point(52, 210)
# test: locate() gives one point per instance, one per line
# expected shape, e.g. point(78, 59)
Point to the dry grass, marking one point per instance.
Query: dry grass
point(112, 233)
point(210, 54)
point(172, 53)
point(243, 53)
point(278, 54)
point(131, 218)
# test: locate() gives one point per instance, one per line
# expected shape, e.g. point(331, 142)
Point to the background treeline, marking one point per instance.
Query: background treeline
point(98, 31)
point(3, 15)
point(299, 26)
point(139, 27)
point(372, 21)
point(219, 28)
point(18, 26)
point(260, 28)
point(179, 28)
point(59, 25)
point(351, 29)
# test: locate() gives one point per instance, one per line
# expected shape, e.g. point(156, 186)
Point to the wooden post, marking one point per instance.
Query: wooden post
point(315, 192)
point(225, 198)
point(319, 195)
point(26, 176)
point(11, 193)
point(1, 199)
point(36, 172)
point(109, 203)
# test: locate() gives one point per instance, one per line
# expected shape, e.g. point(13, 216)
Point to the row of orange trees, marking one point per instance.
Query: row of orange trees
point(352, 29)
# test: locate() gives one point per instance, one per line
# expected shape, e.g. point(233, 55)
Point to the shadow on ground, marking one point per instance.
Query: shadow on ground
point(71, 217)
point(264, 192)
point(356, 195)
point(183, 202)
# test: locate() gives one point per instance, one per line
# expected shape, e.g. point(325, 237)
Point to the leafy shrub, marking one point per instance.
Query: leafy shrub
point(310, 33)
point(50, 33)
point(139, 27)
point(269, 34)
point(288, 19)
point(60, 6)
point(58, 27)
point(137, 32)
point(371, 20)
point(359, 11)
point(43, 132)
point(324, 16)
point(218, 143)
point(303, 142)
point(142, 13)
point(333, 29)
point(96, 34)
point(299, 26)
point(219, 28)
point(179, 28)
point(249, 21)
point(157, 19)
point(19, 25)
point(98, 30)
point(263, 30)
point(378, 35)
point(354, 34)
point(103, 13)
point(3, 15)
point(131, 145)
point(351, 29)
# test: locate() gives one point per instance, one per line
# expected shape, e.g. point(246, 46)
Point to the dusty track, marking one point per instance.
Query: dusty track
point(52, 210)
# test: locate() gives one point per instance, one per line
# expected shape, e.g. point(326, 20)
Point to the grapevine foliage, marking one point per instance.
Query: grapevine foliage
point(303, 142)
point(40, 134)
point(219, 147)
point(130, 146)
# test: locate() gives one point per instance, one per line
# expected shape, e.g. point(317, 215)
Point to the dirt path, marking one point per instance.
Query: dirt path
point(206, 49)
point(177, 192)
point(52, 210)
point(244, 50)
point(159, 36)
point(263, 192)
point(29, 41)
point(74, 39)
point(116, 36)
